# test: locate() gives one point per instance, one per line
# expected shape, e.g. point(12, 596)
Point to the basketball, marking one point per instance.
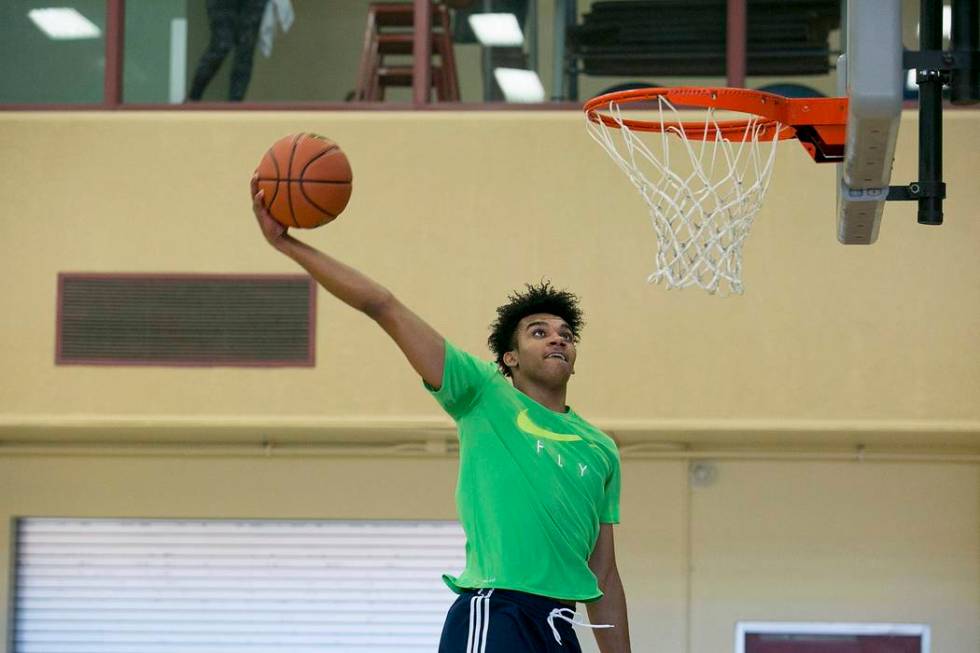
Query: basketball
point(306, 180)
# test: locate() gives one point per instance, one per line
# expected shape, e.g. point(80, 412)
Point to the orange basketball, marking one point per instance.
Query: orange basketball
point(306, 179)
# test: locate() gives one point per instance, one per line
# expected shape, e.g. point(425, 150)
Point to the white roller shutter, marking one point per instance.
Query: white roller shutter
point(216, 586)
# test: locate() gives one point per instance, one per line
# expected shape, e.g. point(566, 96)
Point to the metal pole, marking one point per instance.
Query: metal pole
point(115, 41)
point(930, 113)
point(558, 64)
point(736, 43)
point(486, 60)
point(964, 86)
point(422, 52)
point(571, 18)
point(531, 35)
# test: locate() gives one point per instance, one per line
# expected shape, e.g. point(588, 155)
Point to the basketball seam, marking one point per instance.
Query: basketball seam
point(314, 204)
point(334, 148)
point(289, 189)
point(303, 181)
point(329, 150)
point(275, 164)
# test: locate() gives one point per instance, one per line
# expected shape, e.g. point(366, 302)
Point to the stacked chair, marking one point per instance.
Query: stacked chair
point(687, 37)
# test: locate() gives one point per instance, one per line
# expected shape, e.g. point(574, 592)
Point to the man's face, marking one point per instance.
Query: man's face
point(545, 350)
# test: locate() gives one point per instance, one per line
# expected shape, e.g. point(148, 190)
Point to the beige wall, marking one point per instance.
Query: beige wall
point(775, 541)
point(830, 348)
point(454, 210)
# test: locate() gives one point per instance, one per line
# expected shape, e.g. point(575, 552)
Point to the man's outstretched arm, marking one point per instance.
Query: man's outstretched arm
point(611, 608)
point(422, 345)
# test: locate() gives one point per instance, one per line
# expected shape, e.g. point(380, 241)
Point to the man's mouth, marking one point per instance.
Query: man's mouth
point(559, 355)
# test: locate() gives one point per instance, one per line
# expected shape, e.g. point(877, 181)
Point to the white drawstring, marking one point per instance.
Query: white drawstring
point(559, 613)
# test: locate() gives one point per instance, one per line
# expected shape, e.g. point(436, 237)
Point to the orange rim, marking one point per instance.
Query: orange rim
point(778, 116)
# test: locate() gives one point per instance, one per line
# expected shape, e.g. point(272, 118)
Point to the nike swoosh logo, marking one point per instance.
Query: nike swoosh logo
point(525, 424)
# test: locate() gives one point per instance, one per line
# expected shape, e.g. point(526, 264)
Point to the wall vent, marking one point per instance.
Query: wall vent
point(191, 319)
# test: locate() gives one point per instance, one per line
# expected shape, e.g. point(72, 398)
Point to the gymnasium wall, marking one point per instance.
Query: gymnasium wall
point(837, 398)
point(452, 211)
point(768, 540)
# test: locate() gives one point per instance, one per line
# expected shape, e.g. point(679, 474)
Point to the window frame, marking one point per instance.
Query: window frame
point(744, 628)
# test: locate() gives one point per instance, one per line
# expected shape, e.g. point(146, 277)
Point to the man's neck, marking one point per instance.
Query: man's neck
point(551, 398)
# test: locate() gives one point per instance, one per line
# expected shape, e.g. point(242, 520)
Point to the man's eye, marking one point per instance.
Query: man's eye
point(537, 332)
point(567, 337)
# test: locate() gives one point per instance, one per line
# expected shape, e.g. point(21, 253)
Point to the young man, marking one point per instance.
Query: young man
point(538, 488)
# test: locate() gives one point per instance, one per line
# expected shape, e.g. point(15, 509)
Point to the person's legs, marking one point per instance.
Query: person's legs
point(247, 33)
point(221, 18)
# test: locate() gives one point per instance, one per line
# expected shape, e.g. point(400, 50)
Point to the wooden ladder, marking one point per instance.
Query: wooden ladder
point(391, 31)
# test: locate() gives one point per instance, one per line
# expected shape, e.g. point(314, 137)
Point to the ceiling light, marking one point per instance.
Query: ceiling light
point(64, 23)
point(519, 85)
point(497, 30)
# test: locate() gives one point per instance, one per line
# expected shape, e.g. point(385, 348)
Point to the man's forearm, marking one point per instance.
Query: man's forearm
point(342, 281)
point(611, 609)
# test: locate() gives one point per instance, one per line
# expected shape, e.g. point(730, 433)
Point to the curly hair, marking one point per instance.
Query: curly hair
point(541, 298)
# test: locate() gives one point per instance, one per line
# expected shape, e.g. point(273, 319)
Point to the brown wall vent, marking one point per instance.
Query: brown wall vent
point(191, 319)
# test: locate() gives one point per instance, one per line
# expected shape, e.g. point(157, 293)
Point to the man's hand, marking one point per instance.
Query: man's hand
point(274, 232)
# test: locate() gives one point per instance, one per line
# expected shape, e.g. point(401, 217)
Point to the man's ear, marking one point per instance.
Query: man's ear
point(510, 360)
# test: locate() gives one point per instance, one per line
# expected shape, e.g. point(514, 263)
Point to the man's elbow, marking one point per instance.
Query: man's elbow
point(605, 571)
point(378, 308)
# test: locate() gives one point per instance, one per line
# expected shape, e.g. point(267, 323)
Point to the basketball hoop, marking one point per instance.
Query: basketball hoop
point(702, 203)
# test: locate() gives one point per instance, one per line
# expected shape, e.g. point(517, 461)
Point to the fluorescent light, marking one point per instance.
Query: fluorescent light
point(519, 85)
point(497, 30)
point(64, 23)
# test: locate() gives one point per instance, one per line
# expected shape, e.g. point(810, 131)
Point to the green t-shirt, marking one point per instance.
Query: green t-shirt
point(533, 486)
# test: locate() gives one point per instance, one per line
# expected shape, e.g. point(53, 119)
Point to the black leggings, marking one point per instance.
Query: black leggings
point(234, 24)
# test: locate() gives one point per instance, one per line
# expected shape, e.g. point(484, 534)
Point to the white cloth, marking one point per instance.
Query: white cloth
point(276, 11)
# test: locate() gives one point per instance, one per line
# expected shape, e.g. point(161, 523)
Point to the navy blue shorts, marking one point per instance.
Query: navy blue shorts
point(505, 621)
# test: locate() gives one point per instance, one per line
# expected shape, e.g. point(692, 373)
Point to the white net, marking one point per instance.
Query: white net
point(703, 194)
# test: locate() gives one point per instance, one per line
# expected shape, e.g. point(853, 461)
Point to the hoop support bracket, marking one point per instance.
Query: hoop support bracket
point(941, 60)
point(917, 190)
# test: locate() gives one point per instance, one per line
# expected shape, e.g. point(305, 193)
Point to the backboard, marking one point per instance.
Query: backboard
point(870, 74)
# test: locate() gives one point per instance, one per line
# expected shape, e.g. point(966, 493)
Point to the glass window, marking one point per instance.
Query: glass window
point(343, 50)
point(330, 51)
point(52, 53)
point(281, 51)
point(155, 54)
point(792, 46)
